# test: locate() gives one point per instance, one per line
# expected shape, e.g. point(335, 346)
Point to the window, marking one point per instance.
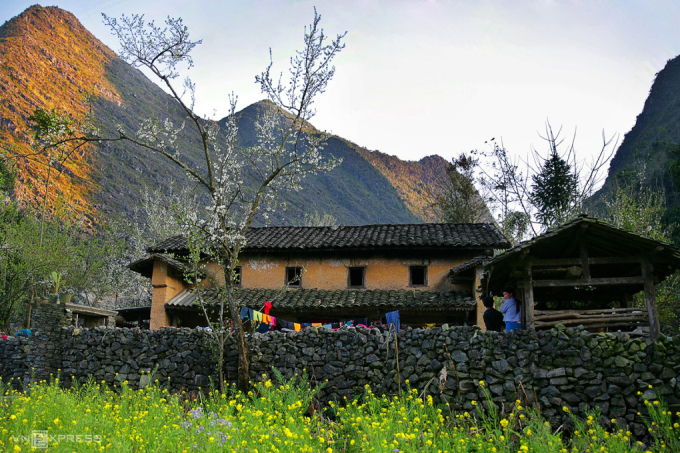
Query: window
point(294, 277)
point(417, 275)
point(355, 277)
point(237, 275)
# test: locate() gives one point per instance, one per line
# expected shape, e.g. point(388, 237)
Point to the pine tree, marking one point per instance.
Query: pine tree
point(554, 190)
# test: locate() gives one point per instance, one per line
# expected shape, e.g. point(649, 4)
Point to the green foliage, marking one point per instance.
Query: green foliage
point(634, 206)
point(454, 199)
point(516, 226)
point(43, 256)
point(668, 299)
point(554, 190)
point(46, 123)
point(56, 278)
point(7, 176)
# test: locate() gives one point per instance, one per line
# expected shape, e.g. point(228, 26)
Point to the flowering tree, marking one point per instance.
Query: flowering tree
point(241, 182)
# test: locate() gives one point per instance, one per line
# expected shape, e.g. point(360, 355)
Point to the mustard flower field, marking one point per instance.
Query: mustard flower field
point(283, 417)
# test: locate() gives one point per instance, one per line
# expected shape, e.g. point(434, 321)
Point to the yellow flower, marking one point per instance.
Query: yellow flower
point(565, 408)
point(504, 423)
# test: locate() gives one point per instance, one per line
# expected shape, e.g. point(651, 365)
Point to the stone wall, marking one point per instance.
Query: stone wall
point(49, 316)
point(552, 369)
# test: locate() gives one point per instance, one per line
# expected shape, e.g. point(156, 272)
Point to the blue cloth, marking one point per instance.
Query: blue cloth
point(510, 311)
point(512, 326)
point(244, 312)
point(262, 328)
point(23, 333)
point(393, 320)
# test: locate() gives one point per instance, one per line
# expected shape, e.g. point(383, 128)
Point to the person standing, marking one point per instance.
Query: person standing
point(512, 310)
point(493, 319)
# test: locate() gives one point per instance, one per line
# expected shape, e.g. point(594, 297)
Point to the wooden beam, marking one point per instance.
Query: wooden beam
point(556, 262)
point(586, 311)
point(650, 299)
point(591, 260)
point(592, 282)
point(528, 296)
point(586, 318)
point(585, 264)
point(615, 260)
point(608, 325)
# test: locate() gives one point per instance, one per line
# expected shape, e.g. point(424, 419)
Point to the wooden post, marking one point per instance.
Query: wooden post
point(477, 294)
point(650, 299)
point(528, 296)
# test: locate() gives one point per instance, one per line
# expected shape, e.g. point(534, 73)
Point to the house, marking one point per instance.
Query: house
point(331, 274)
point(584, 272)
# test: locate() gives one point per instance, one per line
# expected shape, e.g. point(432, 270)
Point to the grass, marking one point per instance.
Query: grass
point(284, 417)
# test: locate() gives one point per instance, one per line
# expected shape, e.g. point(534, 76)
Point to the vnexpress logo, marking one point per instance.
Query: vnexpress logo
point(42, 439)
point(39, 439)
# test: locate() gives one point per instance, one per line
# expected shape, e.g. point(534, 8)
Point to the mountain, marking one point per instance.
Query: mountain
point(49, 60)
point(655, 133)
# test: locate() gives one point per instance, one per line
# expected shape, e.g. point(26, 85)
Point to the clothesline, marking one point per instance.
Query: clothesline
point(265, 318)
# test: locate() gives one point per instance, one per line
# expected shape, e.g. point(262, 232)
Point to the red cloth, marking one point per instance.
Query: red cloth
point(4, 337)
point(267, 307)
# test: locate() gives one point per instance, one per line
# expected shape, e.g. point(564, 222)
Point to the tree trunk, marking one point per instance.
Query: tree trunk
point(241, 344)
point(30, 309)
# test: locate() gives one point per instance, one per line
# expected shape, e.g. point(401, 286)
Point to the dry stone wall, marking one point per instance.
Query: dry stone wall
point(552, 369)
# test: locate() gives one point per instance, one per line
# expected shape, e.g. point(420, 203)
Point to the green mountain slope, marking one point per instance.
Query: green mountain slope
point(66, 62)
point(656, 131)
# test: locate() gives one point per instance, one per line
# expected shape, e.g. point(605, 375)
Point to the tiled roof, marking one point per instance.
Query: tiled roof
point(317, 298)
point(426, 235)
point(145, 265)
point(474, 262)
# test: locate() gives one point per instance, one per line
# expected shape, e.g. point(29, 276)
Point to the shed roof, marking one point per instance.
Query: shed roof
point(89, 311)
point(293, 299)
point(601, 239)
point(400, 236)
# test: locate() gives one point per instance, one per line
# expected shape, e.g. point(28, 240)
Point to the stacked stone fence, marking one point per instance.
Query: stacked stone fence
point(551, 369)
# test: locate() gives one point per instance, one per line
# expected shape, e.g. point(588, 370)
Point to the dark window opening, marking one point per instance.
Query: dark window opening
point(418, 275)
point(355, 277)
point(294, 277)
point(237, 276)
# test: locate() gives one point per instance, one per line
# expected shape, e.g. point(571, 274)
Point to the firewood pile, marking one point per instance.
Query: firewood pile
point(628, 320)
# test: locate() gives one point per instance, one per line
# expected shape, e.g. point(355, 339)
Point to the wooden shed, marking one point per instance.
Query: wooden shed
point(585, 272)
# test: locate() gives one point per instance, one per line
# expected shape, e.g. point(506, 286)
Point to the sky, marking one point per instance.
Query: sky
point(431, 77)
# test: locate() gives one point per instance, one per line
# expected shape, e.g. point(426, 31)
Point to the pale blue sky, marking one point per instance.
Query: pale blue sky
point(419, 78)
